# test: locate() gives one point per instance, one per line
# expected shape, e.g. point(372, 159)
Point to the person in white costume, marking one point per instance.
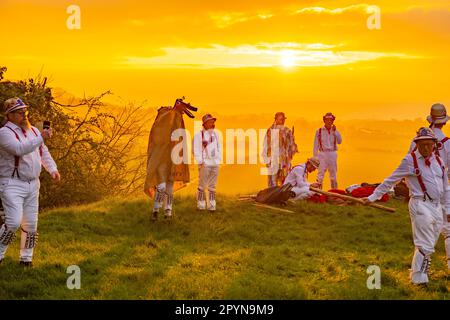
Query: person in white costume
point(208, 154)
point(437, 119)
point(325, 149)
point(426, 177)
point(298, 178)
point(22, 152)
point(163, 198)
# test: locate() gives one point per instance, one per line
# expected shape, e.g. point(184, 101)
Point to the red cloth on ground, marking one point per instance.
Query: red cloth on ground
point(363, 192)
point(321, 198)
point(318, 198)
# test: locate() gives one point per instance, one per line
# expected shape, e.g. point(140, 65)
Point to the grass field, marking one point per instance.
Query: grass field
point(240, 252)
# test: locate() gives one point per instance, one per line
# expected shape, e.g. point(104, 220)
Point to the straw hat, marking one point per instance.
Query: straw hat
point(329, 115)
point(438, 114)
point(314, 161)
point(14, 104)
point(207, 117)
point(425, 134)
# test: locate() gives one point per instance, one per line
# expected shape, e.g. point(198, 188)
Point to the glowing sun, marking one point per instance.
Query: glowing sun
point(287, 58)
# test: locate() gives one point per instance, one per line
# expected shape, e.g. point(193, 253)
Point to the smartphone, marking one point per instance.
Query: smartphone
point(46, 125)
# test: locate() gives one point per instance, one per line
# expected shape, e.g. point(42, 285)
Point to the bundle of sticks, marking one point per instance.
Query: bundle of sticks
point(329, 194)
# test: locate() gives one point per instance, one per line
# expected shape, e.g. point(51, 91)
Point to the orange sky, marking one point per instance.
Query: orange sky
point(305, 57)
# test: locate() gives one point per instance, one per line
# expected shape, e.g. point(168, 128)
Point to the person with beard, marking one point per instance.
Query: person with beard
point(22, 153)
point(437, 119)
point(426, 176)
point(208, 155)
point(279, 161)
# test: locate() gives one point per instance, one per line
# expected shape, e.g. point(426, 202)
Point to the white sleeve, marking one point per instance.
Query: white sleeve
point(401, 172)
point(316, 144)
point(198, 148)
point(303, 183)
point(291, 178)
point(10, 144)
point(446, 194)
point(47, 160)
point(295, 178)
point(219, 149)
point(338, 137)
point(447, 156)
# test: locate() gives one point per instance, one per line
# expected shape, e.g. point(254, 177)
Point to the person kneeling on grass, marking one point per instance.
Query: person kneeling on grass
point(429, 204)
point(298, 178)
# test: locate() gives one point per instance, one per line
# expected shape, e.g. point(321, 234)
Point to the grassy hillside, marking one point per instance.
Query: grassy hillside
point(241, 252)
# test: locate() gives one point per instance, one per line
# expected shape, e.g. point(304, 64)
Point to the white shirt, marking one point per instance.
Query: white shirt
point(209, 152)
point(328, 140)
point(298, 177)
point(435, 184)
point(28, 151)
point(444, 153)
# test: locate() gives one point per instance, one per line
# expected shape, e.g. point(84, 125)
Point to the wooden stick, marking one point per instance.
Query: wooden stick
point(247, 196)
point(273, 208)
point(344, 197)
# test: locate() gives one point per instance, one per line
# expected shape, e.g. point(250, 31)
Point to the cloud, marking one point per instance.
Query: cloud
point(366, 8)
point(224, 20)
point(261, 55)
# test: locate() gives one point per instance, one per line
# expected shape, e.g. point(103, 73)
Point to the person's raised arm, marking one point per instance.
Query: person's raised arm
point(401, 172)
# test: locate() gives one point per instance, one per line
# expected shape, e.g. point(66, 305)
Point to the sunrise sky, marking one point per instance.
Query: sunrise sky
point(233, 57)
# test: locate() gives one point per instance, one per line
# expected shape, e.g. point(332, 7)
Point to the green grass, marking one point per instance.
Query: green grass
point(240, 252)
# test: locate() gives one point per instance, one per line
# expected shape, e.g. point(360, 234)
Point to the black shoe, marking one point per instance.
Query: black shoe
point(422, 285)
point(167, 214)
point(154, 216)
point(26, 264)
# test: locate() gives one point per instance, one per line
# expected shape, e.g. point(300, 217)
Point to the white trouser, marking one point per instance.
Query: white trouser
point(446, 235)
point(328, 162)
point(302, 193)
point(207, 180)
point(426, 220)
point(272, 180)
point(21, 202)
point(163, 195)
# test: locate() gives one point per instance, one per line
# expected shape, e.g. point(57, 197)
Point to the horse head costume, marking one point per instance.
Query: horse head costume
point(162, 172)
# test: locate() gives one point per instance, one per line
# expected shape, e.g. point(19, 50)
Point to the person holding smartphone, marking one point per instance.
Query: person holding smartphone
point(325, 149)
point(208, 155)
point(22, 155)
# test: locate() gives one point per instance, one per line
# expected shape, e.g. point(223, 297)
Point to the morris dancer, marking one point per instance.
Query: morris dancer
point(165, 173)
point(325, 148)
point(298, 178)
point(22, 152)
point(437, 119)
point(426, 177)
point(286, 150)
point(208, 154)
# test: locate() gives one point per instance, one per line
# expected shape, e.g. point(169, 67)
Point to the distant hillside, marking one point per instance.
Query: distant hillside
point(371, 149)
